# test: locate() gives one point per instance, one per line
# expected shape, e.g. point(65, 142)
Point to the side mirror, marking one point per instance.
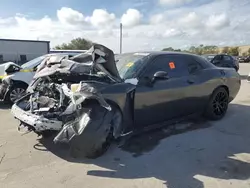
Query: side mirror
point(160, 75)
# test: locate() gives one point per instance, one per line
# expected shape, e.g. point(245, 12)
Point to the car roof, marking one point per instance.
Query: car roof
point(156, 53)
point(224, 54)
point(209, 54)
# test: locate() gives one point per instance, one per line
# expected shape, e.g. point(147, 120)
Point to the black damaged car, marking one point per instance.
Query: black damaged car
point(103, 98)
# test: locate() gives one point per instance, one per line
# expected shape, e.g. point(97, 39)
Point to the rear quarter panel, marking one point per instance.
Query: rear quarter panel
point(231, 80)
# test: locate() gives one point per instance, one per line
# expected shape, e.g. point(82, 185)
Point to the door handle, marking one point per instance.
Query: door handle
point(190, 81)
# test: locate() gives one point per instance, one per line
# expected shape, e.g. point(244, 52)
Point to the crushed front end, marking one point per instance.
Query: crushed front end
point(58, 97)
point(56, 107)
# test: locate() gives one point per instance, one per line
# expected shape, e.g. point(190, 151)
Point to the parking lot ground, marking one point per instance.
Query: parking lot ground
point(215, 155)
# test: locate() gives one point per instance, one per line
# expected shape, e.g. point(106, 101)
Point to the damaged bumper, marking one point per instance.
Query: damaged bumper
point(69, 122)
point(37, 123)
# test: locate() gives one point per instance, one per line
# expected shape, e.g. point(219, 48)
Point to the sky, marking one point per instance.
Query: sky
point(147, 24)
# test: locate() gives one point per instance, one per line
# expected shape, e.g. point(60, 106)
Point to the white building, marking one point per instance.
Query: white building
point(21, 51)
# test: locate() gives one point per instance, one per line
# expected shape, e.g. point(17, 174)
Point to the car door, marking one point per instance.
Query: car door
point(165, 99)
point(199, 85)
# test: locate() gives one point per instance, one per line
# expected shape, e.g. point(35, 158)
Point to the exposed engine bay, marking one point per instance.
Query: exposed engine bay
point(54, 101)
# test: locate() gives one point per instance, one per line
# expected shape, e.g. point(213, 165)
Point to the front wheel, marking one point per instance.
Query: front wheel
point(218, 104)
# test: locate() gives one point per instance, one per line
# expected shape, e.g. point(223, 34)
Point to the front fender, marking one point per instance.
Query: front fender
point(25, 77)
point(122, 96)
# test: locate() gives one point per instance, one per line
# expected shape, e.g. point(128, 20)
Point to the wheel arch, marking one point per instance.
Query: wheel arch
point(19, 82)
point(117, 126)
point(225, 87)
point(118, 112)
point(208, 111)
point(220, 86)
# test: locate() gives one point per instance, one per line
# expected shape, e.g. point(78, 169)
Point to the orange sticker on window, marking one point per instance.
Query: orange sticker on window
point(172, 65)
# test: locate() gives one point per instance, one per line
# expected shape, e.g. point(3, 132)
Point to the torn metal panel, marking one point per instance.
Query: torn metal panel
point(72, 128)
point(102, 60)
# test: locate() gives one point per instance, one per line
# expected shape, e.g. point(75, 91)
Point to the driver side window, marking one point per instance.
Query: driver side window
point(174, 65)
point(158, 64)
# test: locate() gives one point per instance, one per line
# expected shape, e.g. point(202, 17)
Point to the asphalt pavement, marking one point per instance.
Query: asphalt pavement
point(211, 155)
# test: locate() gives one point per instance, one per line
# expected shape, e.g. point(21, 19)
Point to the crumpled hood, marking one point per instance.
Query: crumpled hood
point(5, 66)
point(97, 57)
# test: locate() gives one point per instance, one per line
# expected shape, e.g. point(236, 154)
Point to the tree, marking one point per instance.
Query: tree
point(201, 49)
point(196, 50)
point(171, 49)
point(248, 51)
point(225, 50)
point(234, 51)
point(168, 49)
point(75, 44)
point(210, 50)
point(192, 49)
point(244, 54)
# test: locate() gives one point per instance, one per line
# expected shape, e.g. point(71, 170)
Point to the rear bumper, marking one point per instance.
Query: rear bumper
point(38, 123)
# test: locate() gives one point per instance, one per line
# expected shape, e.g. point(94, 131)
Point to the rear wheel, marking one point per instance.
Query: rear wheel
point(218, 104)
point(97, 136)
point(15, 93)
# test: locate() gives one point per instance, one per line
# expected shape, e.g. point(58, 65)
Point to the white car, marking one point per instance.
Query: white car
point(15, 79)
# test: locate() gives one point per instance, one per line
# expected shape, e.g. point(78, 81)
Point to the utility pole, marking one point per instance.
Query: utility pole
point(120, 38)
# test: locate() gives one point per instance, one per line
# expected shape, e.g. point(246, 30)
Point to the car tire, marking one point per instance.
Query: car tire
point(16, 88)
point(218, 104)
point(97, 136)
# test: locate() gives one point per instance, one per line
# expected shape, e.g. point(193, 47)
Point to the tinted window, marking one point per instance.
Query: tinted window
point(218, 57)
point(194, 67)
point(33, 62)
point(203, 62)
point(175, 66)
point(226, 58)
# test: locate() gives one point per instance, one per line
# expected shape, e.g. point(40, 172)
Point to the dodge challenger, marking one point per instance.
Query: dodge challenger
point(94, 98)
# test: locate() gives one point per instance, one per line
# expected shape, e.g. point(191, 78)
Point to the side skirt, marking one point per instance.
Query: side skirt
point(172, 122)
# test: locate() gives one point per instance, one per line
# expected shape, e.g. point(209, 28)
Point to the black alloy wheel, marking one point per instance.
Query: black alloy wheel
point(218, 104)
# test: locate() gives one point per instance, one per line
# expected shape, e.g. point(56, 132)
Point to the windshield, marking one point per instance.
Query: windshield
point(33, 62)
point(129, 64)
